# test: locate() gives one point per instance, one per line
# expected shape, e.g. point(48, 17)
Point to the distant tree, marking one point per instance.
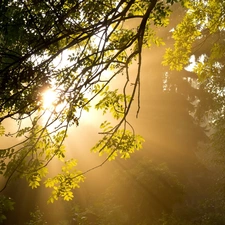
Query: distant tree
point(94, 37)
point(201, 35)
point(139, 194)
point(36, 218)
point(6, 205)
point(204, 40)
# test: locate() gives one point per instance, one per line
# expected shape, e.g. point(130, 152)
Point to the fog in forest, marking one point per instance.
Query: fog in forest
point(173, 172)
point(171, 137)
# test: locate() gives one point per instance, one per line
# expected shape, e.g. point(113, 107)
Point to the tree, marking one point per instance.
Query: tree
point(6, 204)
point(95, 37)
point(36, 218)
point(202, 39)
point(136, 194)
point(200, 35)
point(143, 193)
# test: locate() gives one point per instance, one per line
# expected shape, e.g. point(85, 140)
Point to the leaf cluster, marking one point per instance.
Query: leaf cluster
point(117, 142)
point(67, 46)
point(6, 204)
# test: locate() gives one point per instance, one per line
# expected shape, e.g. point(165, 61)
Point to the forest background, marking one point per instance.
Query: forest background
point(174, 85)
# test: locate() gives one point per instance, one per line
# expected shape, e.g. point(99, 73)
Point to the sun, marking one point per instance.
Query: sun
point(49, 98)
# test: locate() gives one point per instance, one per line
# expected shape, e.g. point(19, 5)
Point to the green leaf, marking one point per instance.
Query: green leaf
point(2, 130)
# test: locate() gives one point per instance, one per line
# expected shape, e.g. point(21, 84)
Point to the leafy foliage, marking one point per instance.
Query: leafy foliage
point(35, 37)
point(6, 204)
point(146, 193)
point(201, 34)
point(114, 142)
point(202, 21)
point(114, 103)
point(138, 195)
point(36, 218)
point(63, 183)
